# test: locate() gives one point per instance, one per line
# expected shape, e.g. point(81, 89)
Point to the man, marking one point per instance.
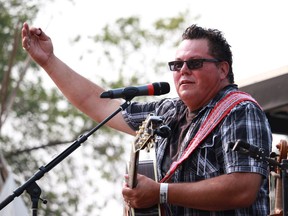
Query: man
point(212, 180)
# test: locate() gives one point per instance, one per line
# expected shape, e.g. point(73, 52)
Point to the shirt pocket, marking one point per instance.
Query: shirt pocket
point(202, 164)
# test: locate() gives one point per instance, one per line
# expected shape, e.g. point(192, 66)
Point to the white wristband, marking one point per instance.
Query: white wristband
point(163, 193)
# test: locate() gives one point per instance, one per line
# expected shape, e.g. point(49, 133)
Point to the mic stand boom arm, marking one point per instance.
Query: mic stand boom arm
point(31, 186)
point(260, 154)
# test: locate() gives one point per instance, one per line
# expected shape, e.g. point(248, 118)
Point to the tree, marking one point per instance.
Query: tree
point(36, 123)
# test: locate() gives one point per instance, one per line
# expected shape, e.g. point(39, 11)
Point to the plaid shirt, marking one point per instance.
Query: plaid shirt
point(212, 158)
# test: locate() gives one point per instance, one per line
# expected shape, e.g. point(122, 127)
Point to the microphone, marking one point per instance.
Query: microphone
point(157, 88)
point(246, 148)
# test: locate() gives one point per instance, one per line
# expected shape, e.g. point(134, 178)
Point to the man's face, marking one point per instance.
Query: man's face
point(197, 87)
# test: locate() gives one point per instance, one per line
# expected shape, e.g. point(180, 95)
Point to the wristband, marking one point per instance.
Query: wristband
point(163, 193)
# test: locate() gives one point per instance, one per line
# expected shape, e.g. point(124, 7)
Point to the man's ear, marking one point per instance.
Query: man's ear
point(224, 69)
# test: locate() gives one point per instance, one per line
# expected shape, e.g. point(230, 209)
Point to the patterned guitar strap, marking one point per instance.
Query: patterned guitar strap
point(222, 109)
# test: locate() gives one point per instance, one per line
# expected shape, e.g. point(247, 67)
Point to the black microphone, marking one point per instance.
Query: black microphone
point(249, 149)
point(157, 88)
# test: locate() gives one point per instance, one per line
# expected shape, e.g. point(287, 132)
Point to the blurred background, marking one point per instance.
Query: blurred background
point(116, 44)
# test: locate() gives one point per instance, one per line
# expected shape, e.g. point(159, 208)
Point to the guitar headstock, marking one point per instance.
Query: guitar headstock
point(146, 133)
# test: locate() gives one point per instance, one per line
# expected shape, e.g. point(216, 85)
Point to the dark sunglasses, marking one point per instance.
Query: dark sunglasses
point(191, 64)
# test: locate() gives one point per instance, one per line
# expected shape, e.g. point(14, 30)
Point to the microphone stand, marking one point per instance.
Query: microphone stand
point(260, 154)
point(31, 186)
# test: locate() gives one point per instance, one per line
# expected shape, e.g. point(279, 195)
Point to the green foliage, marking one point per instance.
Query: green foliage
point(13, 14)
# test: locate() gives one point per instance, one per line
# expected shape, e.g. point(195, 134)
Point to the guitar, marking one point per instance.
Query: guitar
point(145, 138)
point(283, 149)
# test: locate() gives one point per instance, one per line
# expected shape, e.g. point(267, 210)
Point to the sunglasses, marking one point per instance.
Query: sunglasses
point(191, 64)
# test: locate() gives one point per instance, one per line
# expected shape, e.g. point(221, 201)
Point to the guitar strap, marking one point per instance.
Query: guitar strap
point(222, 108)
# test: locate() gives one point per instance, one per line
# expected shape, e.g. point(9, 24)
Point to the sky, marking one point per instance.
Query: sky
point(256, 29)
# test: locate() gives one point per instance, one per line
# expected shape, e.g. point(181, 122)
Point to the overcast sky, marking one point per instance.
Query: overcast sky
point(256, 29)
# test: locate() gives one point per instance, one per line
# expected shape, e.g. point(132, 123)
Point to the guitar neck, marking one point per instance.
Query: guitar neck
point(278, 195)
point(133, 168)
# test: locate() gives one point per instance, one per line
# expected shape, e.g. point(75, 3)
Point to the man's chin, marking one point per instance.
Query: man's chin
point(185, 95)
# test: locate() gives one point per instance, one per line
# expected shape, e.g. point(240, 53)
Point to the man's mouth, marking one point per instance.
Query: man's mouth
point(185, 82)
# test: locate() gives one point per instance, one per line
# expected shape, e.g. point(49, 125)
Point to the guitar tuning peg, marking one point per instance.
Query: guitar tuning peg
point(163, 131)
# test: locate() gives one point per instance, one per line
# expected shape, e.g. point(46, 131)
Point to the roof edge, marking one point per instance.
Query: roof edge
point(263, 76)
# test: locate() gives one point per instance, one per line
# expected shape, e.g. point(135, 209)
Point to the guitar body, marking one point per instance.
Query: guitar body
point(147, 168)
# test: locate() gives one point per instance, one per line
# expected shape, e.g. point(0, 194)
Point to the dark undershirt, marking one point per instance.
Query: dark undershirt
point(179, 131)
